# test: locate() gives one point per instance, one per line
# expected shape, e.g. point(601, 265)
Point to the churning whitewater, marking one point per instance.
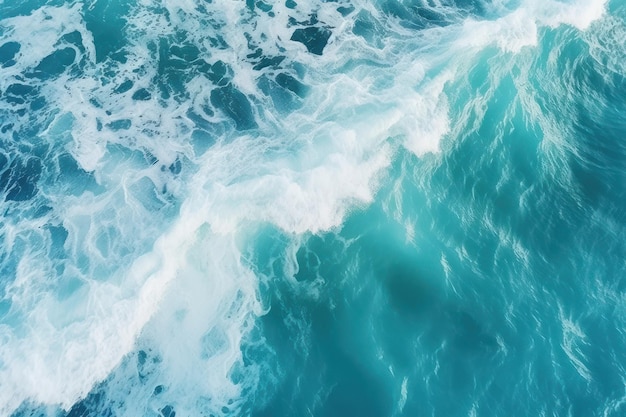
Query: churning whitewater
point(305, 208)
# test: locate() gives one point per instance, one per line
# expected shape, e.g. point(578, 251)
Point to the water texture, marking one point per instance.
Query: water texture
point(303, 208)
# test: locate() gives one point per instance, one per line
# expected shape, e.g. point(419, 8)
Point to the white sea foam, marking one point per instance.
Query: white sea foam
point(519, 28)
point(578, 13)
point(403, 394)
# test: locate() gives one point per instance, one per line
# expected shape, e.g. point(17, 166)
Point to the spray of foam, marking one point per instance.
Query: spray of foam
point(520, 27)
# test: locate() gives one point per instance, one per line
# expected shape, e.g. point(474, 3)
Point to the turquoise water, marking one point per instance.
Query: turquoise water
point(350, 208)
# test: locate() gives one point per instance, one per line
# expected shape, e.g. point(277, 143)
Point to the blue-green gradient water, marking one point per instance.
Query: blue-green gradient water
point(305, 208)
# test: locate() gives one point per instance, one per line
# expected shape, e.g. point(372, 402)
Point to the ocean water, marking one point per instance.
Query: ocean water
point(312, 208)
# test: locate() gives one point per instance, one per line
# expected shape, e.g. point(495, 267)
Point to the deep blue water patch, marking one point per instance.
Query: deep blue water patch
point(142, 94)
point(235, 105)
point(54, 64)
point(8, 52)
point(314, 38)
point(19, 93)
point(18, 180)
